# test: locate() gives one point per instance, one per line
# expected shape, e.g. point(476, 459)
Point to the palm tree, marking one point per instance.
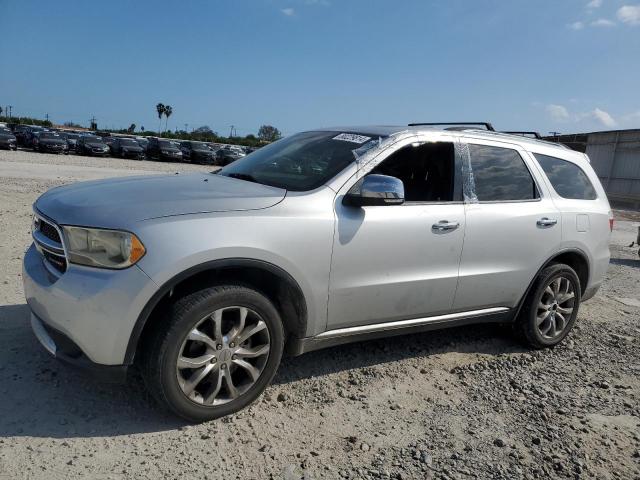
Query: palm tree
point(167, 113)
point(160, 108)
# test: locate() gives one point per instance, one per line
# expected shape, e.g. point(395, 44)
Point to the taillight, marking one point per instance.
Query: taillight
point(611, 220)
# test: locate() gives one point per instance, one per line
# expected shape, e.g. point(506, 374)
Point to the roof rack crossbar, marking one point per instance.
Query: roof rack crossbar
point(535, 134)
point(486, 125)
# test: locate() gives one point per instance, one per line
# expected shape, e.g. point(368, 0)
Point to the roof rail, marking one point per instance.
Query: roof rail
point(525, 134)
point(486, 125)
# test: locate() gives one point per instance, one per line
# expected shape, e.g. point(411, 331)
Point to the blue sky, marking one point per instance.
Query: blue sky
point(563, 65)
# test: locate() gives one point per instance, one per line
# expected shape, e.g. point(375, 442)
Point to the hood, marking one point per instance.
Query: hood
point(7, 136)
point(52, 141)
point(95, 144)
point(119, 202)
point(131, 148)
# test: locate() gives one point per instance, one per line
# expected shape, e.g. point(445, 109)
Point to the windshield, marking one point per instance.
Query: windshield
point(5, 130)
point(73, 136)
point(50, 135)
point(128, 143)
point(89, 139)
point(199, 146)
point(301, 162)
point(167, 144)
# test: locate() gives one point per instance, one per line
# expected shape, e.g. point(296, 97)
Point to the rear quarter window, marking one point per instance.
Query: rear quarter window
point(568, 179)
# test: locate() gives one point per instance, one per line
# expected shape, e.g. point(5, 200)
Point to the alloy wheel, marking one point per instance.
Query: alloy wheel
point(555, 307)
point(223, 356)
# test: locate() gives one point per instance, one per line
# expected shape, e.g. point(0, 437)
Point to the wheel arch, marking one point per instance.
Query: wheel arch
point(271, 280)
point(573, 257)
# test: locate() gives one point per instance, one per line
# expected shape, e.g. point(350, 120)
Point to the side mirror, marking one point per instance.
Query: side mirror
point(375, 190)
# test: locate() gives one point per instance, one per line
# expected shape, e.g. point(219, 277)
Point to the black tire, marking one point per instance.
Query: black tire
point(526, 325)
point(162, 348)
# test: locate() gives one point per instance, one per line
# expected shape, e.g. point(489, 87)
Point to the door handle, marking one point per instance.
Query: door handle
point(445, 226)
point(546, 222)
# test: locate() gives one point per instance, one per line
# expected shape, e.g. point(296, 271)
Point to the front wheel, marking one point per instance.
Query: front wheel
point(216, 352)
point(551, 307)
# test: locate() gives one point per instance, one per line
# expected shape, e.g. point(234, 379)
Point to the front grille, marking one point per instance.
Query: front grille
point(49, 244)
point(50, 231)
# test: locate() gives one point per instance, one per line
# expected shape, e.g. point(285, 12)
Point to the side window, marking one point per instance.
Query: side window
point(427, 171)
point(500, 174)
point(567, 178)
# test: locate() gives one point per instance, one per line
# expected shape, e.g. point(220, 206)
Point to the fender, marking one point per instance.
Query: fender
point(545, 265)
point(211, 265)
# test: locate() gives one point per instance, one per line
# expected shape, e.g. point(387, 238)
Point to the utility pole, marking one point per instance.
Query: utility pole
point(557, 135)
point(46, 117)
point(10, 107)
point(186, 127)
point(231, 132)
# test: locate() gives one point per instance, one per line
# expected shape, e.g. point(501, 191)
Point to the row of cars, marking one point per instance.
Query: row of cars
point(52, 140)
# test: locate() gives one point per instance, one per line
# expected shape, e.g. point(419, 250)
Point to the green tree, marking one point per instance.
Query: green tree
point(167, 113)
point(160, 108)
point(269, 133)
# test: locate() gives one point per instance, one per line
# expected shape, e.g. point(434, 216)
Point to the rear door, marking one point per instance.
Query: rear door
point(512, 225)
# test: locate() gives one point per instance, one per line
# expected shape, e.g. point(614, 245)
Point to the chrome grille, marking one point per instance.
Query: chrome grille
point(47, 239)
point(50, 232)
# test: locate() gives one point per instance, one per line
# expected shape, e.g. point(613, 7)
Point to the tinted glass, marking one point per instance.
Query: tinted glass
point(128, 143)
point(500, 175)
point(199, 146)
point(301, 162)
point(50, 135)
point(568, 179)
point(168, 145)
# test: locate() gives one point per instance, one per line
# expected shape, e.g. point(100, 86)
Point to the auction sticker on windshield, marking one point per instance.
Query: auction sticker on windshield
point(352, 137)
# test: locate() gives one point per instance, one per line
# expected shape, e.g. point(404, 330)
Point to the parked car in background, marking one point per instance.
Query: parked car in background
point(91, 145)
point(143, 142)
point(49, 142)
point(126, 148)
point(229, 154)
point(109, 141)
point(72, 140)
point(24, 134)
point(163, 149)
point(197, 152)
point(8, 139)
point(204, 280)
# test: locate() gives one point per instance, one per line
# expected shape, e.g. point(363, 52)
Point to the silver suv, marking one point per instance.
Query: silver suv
point(203, 281)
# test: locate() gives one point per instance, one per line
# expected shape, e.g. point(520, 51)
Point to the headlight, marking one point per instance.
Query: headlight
point(102, 248)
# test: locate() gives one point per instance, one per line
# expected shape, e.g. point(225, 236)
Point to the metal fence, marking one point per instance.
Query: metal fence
point(615, 156)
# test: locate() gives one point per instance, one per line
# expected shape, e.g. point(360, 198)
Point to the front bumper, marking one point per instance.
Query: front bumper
point(62, 348)
point(53, 148)
point(95, 309)
point(170, 157)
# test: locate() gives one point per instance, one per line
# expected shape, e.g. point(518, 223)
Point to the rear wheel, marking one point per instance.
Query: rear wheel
point(216, 353)
point(551, 307)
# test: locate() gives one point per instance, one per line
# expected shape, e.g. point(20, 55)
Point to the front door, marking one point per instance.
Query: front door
point(400, 261)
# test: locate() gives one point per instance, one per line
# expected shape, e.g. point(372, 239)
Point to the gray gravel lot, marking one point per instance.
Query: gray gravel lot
point(461, 403)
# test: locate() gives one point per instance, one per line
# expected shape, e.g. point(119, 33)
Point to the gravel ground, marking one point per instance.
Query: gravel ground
point(461, 403)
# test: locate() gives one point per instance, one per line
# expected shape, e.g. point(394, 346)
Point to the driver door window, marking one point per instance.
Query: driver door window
point(427, 171)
